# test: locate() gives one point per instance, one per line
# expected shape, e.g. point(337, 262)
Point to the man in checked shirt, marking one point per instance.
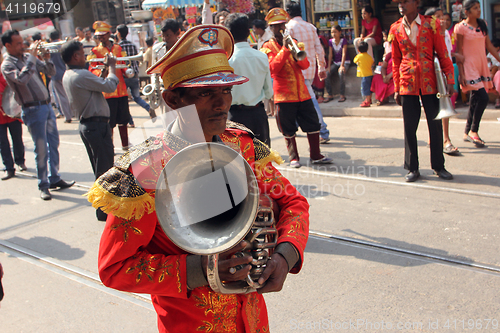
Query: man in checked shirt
point(305, 32)
point(21, 71)
point(132, 82)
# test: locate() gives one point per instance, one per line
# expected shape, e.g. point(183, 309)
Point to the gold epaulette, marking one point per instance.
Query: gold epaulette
point(117, 192)
point(434, 24)
point(263, 156)
point(265, 50)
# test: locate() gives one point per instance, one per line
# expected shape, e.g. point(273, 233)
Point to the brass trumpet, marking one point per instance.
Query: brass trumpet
point(137, 57)
point(53, 47)
point(297, 53)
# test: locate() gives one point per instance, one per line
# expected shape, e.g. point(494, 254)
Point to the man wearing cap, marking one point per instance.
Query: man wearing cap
point(135, 254)
point(292, 99)
point(118, 99)
point(416, 39)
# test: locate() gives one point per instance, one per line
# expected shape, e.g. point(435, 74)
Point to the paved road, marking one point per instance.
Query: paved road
point(382, 254)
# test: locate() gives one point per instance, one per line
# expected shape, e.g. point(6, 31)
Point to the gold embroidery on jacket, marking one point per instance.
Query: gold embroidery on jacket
point(222, 308)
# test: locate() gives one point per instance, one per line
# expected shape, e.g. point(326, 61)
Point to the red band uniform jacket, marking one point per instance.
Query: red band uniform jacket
point(288, 81)
point(99, 52)
point(413, 69)
point(135, 255)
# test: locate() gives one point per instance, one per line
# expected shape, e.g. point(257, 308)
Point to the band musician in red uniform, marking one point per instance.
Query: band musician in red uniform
point(292, 99)
point(118, 99)
point(135, 253)
point(416, 39)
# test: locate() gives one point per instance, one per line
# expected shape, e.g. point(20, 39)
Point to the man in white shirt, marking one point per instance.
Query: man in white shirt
point(247, 107)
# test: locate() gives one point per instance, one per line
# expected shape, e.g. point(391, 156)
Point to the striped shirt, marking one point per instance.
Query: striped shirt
point(131, 50)
point(305, 32)
point(23, 76)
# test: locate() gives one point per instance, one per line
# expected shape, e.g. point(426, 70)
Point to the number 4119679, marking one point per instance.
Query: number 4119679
point(33, 8)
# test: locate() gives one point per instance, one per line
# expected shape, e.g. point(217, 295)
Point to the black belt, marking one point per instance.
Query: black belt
point(94, 120)
point(27, 105)
point(242, 107)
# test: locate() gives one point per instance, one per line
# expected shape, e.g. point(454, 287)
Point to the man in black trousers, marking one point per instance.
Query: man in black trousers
point(85, 90)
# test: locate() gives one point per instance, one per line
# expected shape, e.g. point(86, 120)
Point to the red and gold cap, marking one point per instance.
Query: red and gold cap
point(199, 59)
point(101, 28)
point(276, 16)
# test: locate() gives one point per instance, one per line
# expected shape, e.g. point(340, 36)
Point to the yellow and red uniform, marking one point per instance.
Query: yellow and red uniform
point(99, 52)
point(288, 85)
point(135, 255)
point(413, 65)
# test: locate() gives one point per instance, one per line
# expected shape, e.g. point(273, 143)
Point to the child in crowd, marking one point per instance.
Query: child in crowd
point(371, 30)
point(364, 62)
point(338, 61)
point(387, 45)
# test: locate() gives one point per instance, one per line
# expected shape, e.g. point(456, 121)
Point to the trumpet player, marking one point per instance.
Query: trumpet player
point(291, 96)
point(118, 99)
point(135, 254)
point(415, 39)
point(21, 71)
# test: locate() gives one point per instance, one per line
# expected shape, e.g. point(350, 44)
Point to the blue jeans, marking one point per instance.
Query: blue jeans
point(41, 123)
point(366, 85)
point(16, 133)
point(323, 132)
point(133, 84)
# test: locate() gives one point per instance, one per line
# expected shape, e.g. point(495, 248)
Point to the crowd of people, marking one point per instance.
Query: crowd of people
point(270, 91)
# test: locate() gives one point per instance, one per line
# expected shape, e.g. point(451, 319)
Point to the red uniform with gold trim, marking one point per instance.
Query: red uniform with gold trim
point(99, 52)
point(135, 255)
point(413, 65)
point(288, 81)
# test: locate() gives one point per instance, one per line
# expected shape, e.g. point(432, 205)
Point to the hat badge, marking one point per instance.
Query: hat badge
point(277, 11)
point(208, 36)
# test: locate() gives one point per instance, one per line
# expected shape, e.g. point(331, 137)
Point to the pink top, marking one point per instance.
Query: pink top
point(476, 69)
point(369, 28)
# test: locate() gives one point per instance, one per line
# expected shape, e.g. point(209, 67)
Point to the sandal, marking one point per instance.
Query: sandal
point(475, 140)
point(326, 99)
point(342, 99)
point(450, 150)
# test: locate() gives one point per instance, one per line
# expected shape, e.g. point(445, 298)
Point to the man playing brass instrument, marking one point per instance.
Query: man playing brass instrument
point(136, 255)
point(118, 99)
point(292, 99)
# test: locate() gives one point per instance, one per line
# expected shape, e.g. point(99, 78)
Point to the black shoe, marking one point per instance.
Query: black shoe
point(22, 167)
point(412, 176)
point(8, 175)
point(443, 174)
point(62, 184)
point(45, 194)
